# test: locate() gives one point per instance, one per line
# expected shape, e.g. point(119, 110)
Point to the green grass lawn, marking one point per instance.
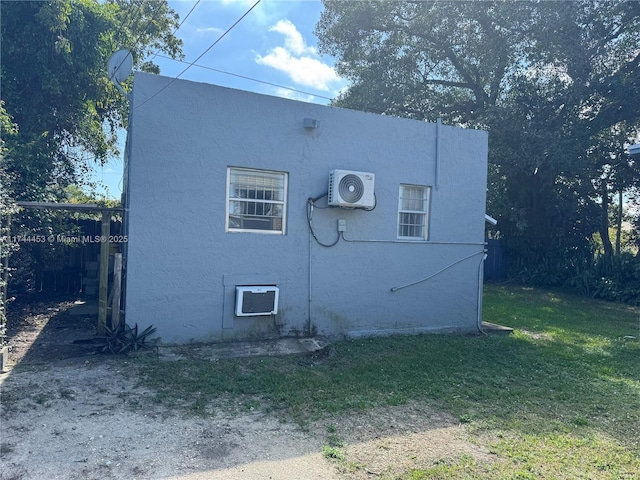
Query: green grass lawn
point(560, 398)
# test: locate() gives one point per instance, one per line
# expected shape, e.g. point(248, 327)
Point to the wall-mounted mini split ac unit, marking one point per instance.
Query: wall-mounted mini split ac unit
point(350, 189)
point(256, 300)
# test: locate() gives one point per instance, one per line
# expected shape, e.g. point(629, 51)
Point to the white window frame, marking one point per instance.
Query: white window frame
point(426, 198)
point(230, 198)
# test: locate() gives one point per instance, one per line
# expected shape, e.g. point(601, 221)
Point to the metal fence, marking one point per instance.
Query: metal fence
point(495, 266)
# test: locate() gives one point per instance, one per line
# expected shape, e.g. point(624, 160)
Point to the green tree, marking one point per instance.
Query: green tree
point(7, 129)
point(545, 78)
point(54, 83)
point(613, 173)
point(63, 111)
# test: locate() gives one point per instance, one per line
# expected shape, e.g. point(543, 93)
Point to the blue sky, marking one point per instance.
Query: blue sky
point(274, 43)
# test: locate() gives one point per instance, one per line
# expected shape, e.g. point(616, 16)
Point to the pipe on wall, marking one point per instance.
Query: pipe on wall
point(480, 284)
point(395, 289)
point(309, 286)
point(437, 173)
point(412, 242)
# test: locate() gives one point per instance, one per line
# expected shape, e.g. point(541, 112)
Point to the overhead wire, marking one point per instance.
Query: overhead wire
point(129, 17)
point(246, 77)
point(177, 28)
point(140, 34)
point(126, 23)
point(149, 24)
point(202, 54)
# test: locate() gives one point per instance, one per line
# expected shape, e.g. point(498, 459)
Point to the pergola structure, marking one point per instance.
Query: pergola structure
point(104, 251)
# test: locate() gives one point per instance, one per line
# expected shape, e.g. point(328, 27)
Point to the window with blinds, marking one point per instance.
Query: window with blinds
point(413, 211)
point(256, 200)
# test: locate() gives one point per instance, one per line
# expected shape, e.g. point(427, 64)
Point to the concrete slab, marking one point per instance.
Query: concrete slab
point(262, 348)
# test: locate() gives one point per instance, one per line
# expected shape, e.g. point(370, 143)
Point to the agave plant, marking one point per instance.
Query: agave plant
point(125, 339)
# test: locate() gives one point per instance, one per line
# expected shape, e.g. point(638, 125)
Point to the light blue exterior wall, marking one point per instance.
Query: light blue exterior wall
point(182, 267)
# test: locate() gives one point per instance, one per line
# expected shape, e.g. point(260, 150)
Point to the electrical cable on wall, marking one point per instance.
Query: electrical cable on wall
point(375, 204)
point(395, 289)
point(310, 207)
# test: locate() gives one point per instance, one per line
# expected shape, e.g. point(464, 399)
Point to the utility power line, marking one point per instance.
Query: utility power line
point(178, 27)
point(145, 31)
point(246, 78)
point(202, 54)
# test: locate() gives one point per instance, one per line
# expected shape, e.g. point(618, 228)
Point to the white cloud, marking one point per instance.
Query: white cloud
point(307, 71)
point(298, 60)
point(293, 38)
point(209, 30)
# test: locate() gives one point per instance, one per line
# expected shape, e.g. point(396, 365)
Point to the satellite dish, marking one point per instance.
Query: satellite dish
point(119, 66)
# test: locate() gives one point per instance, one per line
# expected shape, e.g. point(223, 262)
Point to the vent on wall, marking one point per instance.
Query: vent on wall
point(256, 300)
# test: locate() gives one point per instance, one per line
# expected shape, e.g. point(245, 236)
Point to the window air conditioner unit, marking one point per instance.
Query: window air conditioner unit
point(256, 300)
point(349, 189)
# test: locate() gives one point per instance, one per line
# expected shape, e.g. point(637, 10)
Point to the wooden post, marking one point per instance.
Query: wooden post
point(104, 273)
point(115, 305)
point(5, 270)
point(4, 349)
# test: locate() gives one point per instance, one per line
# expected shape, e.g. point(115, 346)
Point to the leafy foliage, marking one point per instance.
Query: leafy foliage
point(555, 83)
point(7, 128)
point(55, 87)
point(617, 281)
point(62, 112)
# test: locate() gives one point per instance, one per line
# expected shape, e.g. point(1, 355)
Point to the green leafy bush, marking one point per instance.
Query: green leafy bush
point(618, 280)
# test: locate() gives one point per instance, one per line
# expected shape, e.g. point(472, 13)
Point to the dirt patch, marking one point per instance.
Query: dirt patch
point(41, 329)
point(86, 420)
point(69, 414)
point(389, 441)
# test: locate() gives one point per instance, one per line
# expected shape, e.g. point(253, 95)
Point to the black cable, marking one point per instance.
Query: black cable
point(202, 54)
point(128, 19)
point(178, 28)
point(315, 199)
point(127, 16)
point(149, 24)
point(244, 77)
point(375, 204)
point(132, 17)
point(310, 207)
point(144, 32)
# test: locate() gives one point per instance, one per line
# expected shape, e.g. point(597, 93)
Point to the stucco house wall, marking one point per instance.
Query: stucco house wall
point(183, 267)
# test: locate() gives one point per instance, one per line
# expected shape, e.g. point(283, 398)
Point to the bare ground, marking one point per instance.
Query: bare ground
point(69, 414)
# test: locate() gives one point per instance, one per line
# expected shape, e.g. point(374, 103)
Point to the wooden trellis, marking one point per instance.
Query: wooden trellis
point(104, 250)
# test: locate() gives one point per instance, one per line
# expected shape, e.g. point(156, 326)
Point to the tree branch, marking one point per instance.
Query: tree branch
point(447, 83)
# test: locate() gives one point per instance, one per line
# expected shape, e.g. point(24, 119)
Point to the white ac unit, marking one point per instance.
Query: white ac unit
point(256, 300)
point(350, 189)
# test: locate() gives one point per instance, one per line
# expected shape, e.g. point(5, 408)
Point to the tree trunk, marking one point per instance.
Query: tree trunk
point(604, 223)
